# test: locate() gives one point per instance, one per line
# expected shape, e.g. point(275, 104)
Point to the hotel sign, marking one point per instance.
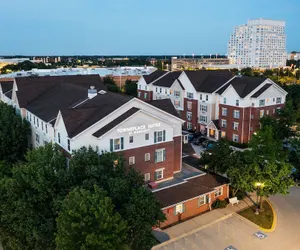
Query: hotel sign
point(138, 129)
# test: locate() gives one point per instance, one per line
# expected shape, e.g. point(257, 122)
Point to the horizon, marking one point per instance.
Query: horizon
point(133, 28)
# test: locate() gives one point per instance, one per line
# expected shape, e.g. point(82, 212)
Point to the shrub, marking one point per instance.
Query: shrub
point(219, 204)
point(238, 145)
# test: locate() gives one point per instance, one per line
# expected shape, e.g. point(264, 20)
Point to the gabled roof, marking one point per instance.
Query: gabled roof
point(85, 115)
point(261, 90)
point(165, 105)
point(243, 85)
point(154, 76)
point(30, 88)
point(168, 79)
point(208, 81)
point(115, 122)
point(216, 123)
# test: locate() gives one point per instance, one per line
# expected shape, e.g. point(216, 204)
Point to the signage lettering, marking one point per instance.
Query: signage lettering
point(138, 129)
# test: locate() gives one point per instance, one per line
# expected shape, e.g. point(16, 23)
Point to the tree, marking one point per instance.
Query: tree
point(247, 71)
point(88, 220)
point(131, 87)
point(14, 135)
point(109, 80)
point(270, 168)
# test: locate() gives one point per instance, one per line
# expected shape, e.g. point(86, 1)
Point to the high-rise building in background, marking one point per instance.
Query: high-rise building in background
point(259, 43)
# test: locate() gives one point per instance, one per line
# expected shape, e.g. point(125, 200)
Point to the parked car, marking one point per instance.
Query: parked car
point(198, 140)
point(210, 145)
point(191, 137)
point(207, 142)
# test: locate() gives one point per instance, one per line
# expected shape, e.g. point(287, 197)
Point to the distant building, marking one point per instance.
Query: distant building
point(294, 56)
point(196, 63)
point(260, 43)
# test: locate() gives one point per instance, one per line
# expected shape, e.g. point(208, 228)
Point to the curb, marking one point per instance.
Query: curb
point(191, 232)
point(274, 224)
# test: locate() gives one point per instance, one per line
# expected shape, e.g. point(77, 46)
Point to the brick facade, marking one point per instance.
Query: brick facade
point(191, 209)
point(141, 95)
point(248, 123)
point(193, 110)
point(170, 165)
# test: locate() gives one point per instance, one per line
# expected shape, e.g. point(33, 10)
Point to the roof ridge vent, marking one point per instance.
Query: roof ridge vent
point(102, 92)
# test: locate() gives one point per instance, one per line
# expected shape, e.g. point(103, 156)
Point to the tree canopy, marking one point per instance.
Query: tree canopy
point(14, 134)
point(36, 192)
point(131, 87)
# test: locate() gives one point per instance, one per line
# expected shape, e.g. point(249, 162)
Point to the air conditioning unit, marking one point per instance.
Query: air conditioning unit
point(152, 185)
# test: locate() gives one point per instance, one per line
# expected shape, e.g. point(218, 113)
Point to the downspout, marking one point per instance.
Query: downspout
point(243, 125)
point(250, 123)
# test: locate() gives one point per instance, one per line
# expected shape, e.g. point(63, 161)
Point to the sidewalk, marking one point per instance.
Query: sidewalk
point(206, 219)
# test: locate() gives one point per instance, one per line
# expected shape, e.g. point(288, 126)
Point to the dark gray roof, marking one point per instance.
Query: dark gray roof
point(208, 81)
point(261, 90)
point(154, 76)
point(165, 105)
point(168, 79)
point(216, 122)
point(6, 86)
point(115, 122)
point(243, 85)
point(85, 115)
point(192, 188)
point(30, 88)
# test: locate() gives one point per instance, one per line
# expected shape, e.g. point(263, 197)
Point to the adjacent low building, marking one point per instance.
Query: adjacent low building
point(214, 102)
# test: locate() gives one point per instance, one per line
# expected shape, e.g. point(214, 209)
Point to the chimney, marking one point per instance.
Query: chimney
point(92, 92)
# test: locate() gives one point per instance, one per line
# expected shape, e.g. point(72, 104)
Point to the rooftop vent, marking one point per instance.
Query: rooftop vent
point(92, 92)
point(102, 92)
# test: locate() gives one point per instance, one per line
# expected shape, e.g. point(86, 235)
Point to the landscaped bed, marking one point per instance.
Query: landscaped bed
point(263, 219)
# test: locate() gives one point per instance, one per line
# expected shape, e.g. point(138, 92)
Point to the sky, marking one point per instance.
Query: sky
point(134, 27)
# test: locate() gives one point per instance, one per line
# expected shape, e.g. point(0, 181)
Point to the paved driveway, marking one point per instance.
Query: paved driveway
point(240, 233)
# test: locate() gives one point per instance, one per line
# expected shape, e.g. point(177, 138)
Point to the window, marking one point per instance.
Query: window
point(236, 114)
point(145, 87)
point(146, 137)
point(130, 139)
point(190, 95)
point(139, 94)
point(203, 108)
point(202, 200)
point(261, 113)
point(156, 89)
point(274, 111)
point(267, 112)
point(116, 144)
point(189, 125)
point(235, 138)
point(262, 103)
point(278, 100)
point(273, 99)
point(177, 104)
point(224, 100)
point(159, 174)
point(147, 157)
point(166, 91)
point(200, 96)
point(237, 103)
point(236, 126)
point(97, 148)
point(37, 122)
point(160, 155)
point(145, 95)
point(140, 86)
point(69, 145)
point(224, 123)
point(42, 126)
point(206, 97)
point(46, 127)
point(27, 116)
point(223, 134)
point(131, 160)
point(160, 90)
point(176, 93)
point(218, 192)
point(37, 138)
point(147, 177)
point(224, 111)
point(159, 136)
point(179, 209)
point(189, 105)
point(189, 115)
point(34, 120)
point(203, 118)
point(58, 136)
point(30, 117)
point(45, 142)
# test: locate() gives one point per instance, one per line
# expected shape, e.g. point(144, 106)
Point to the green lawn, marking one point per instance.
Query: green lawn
point(264, 219)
